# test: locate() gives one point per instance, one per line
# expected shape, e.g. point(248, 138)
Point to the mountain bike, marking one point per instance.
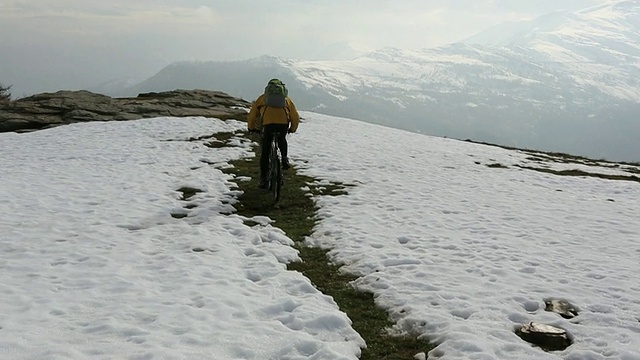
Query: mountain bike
point(274, 174)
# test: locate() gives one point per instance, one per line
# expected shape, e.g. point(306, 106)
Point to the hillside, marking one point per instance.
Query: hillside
point(562, 82)
point(150, 239)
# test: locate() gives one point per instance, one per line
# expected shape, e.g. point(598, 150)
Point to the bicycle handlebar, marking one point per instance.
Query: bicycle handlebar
point(254, 131)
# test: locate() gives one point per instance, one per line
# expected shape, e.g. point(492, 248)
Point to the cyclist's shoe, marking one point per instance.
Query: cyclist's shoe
point(264, 184)
point(285, 165)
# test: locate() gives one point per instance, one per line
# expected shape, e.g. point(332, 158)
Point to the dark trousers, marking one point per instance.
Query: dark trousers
point(268, 132)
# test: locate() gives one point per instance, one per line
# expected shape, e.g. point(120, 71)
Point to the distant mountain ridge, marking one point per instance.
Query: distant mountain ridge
point(564, 82)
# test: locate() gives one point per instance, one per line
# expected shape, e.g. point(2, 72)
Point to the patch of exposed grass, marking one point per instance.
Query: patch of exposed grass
point(549, 155)
point(576, 172)
point(188, 192)
point(539, 155)
point(630, 169)
point(496, 165)
point(295, 214)
point(542, 158)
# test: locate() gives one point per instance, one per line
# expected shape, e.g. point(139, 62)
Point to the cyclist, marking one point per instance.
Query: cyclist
point(276, 116)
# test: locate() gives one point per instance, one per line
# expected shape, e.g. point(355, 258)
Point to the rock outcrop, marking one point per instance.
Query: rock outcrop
point(65, 107)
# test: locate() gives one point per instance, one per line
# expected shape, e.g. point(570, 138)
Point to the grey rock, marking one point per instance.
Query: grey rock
point(65, 107)
point(562, 307)
point(83, 115)
point(547, 337)
point(126, 116)
point(15, 124)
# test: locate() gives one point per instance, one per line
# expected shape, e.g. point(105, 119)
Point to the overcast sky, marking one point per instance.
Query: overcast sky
point(48, 45)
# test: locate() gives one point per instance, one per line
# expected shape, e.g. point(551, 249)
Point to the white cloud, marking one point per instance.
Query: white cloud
point(140, 37)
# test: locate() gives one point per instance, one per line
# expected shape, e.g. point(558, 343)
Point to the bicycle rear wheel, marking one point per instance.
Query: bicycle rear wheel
point(276, 177)
point(275, 170)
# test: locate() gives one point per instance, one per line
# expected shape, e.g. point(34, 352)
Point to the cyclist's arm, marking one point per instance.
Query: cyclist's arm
point(293, 116)
point(254, 112)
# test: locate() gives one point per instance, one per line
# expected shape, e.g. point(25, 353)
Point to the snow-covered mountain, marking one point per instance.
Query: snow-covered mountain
point(563, 82)
point(115, 85)
point(343, 50)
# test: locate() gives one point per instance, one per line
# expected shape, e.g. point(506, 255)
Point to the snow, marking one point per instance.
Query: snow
point(595, 49)
point(93, 265)
point(405, 70)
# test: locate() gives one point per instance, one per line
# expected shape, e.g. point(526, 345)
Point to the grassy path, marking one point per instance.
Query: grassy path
point(295, 215)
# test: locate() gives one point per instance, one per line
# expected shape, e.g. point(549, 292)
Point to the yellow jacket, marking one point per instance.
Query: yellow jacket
point(271, 115)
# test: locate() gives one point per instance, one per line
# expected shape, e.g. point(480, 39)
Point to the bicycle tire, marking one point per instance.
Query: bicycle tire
point(275, 170)
point(276, 178)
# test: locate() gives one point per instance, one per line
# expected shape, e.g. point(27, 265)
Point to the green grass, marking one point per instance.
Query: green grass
point(576, 172)
point(295, 214)
point(543, 158)
point(540, 155)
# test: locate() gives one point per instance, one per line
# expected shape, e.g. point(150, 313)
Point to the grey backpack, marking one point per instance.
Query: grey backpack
point(276, 94)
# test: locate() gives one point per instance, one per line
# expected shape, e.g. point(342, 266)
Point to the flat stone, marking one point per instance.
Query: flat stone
point(547, 337)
